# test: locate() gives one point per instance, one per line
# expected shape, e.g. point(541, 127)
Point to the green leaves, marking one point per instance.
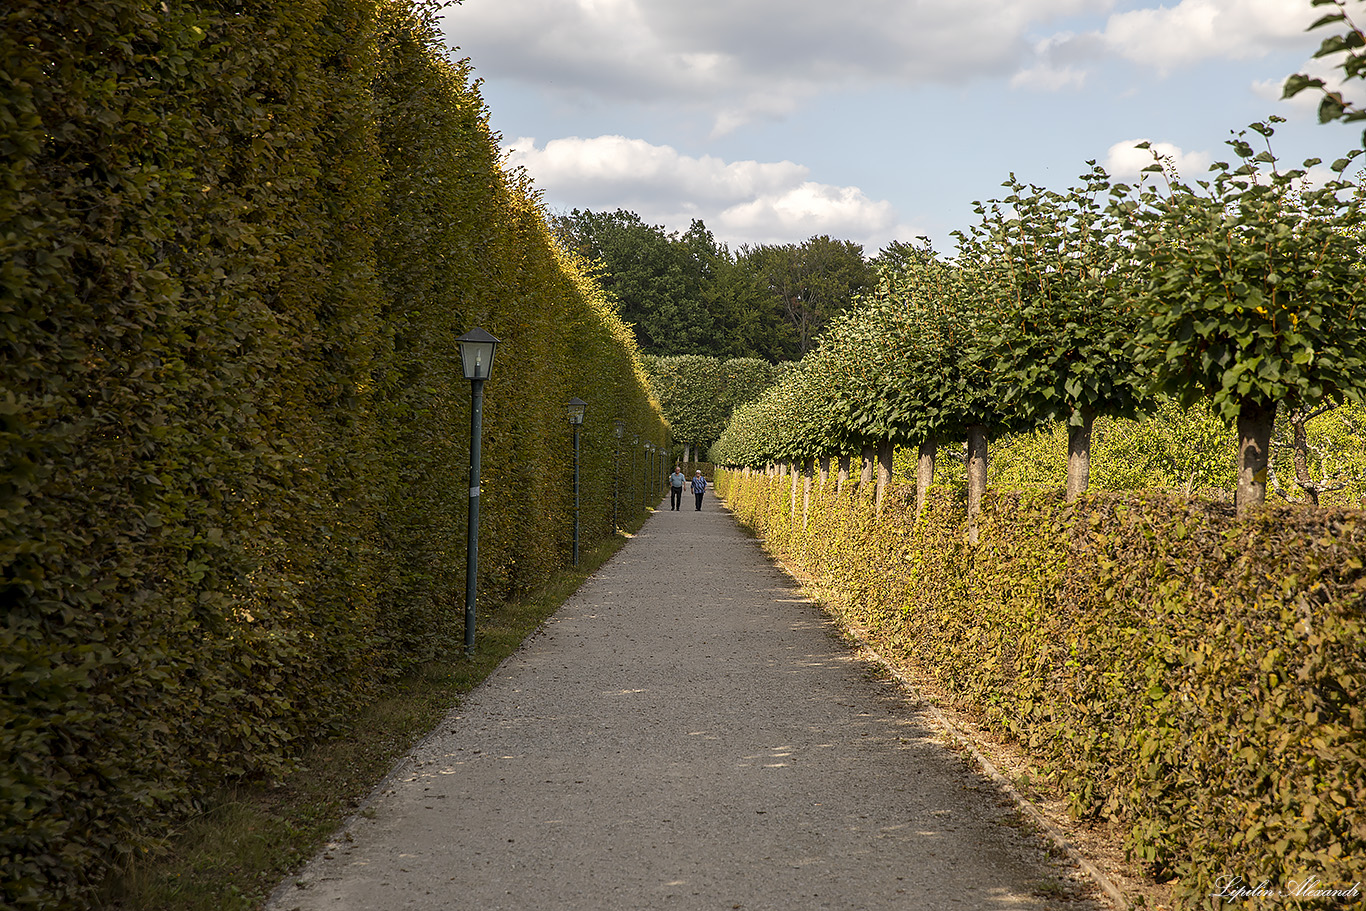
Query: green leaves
point(698, 394)
point(1255, 291)
point(1195, 680)
point(239, 242)
point(1348, 46)
point(1050, 272)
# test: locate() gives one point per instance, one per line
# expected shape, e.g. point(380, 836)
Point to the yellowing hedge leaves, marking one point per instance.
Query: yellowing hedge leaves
point(1198, 679)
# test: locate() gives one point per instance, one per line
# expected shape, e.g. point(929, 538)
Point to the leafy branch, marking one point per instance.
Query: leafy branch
point(1351, 45)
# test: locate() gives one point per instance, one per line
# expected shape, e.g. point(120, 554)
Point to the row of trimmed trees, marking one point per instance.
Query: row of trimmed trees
point(1246, 288)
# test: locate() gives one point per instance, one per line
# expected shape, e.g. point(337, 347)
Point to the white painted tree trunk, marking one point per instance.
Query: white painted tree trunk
point(884, 471)
point(806, 493)
point(977, 477)
point(924, 473)
point(1079, 456)
point(1255, 424)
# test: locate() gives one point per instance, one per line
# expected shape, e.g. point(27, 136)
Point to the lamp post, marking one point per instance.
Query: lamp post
point(476, 356)
point(576, 410)
point(635, 442)
point(618, 428)
point(645, 477)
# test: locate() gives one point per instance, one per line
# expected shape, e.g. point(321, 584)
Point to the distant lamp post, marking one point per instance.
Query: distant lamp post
point(645, 478)
point(635, 443)
point(619, 428)
point(476, 355)
point(576, 410)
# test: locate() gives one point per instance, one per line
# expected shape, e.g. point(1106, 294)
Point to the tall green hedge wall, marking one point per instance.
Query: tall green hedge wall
point(1197, 679)
point(237, 242)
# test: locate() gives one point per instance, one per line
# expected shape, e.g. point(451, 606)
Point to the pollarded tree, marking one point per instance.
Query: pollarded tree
point(757, 433)
point(850, 356)
point(857, 353)
point(976, 406)
point(1256, 294)
point(916, 369)
point(908, 386)
point(1062, 326)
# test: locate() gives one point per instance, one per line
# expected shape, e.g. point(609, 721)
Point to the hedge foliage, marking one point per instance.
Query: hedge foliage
point(698, 394)
point(1198, 679)
point(237, 242)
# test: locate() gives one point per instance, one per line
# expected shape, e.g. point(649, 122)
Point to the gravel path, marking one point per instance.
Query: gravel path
point(684, 733)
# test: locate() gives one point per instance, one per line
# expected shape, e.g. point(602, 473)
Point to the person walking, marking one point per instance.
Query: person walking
point(676, 488)
point(699, 487)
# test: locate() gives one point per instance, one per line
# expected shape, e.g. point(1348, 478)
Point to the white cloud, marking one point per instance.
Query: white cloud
point(1195, 30)
point(1060, 62)
point(742, 60)
point(740, 201)
point(806, 210)
point(1048, 78)
point(633, 168)
point(1125, 161)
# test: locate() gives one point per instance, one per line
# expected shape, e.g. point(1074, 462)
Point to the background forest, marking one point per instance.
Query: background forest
point(687, 294)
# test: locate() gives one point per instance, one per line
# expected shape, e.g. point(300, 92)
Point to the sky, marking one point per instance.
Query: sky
point(774, 121)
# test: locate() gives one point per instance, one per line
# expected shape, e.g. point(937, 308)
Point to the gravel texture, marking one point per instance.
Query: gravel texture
point(686, 732)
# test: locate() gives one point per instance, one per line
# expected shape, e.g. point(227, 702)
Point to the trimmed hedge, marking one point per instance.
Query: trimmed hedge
point(1197, 679)
point(237, 242)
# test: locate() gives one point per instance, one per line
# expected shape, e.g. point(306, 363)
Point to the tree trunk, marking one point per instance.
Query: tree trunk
point(795, 474)
point(1255, 423)
point(866, 477)
point(884, 471)
point(1079, 456)
point(1299, 418)
point(977, 476)
point(924, 473)
point(824, 470)
point(806, 493)
point(1301, 447)
point(844, 473)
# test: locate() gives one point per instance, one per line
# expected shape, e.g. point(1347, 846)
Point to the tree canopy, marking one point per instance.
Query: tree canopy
point(1244, 290)
point(683, 293)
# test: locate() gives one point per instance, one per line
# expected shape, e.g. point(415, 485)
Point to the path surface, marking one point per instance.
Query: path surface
point(685, 733)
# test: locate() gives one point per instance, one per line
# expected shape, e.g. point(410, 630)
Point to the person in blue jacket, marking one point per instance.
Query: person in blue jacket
point(699, 487)
point(676, 488)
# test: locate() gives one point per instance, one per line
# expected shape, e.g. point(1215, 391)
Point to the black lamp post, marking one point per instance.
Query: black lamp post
point(630, 493)
point(618, 428)
point(576, 410)
point(476, 356)
point(645, 478)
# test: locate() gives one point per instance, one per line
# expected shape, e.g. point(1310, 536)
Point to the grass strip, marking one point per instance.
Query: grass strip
point(250, 837)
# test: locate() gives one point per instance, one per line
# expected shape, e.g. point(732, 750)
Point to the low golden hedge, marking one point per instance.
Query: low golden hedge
point(1198, 679)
